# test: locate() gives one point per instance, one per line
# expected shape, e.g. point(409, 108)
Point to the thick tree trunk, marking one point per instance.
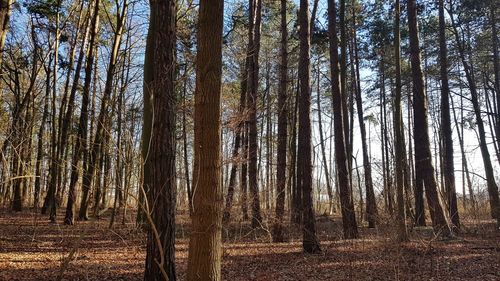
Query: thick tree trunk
point(159, 166)
point(205, 245)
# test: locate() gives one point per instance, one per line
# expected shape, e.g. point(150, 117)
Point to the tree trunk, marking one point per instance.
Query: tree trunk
point(310, 242)
point(253, 83)
point(5, 11)
point(496, 68)
point(40, 151)
point(296, 193)
point(371, 204)
point(448, 163)
point(423, 157)
point(50, 199)
point(399, 133)
point(278, 235)
point(205, 245)
point(348, 215)
point(80, 148)
point(103, 121)
point(322, 146)
point(160, 159)
point(488, 167)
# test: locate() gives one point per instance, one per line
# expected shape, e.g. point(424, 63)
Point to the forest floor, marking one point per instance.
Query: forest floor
point(31, 248)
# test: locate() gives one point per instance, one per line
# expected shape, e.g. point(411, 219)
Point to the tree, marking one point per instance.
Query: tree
point(424, 168)
point(488, 167)
point(496, 67)
point(282, 129)
point(5, 11)
point(81, 145)
point(398, 132)
point(310, 242)
point(253, 85)
point(371, 204)
point(205, 245)
point(347, 207)
point(160, 159)
point(448, 163)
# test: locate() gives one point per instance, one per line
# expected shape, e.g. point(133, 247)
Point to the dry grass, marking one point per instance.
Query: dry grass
point(33, 249)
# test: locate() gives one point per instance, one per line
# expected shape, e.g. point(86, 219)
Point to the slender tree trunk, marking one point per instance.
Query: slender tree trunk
point(322, 146)
point(50, 199)
point(80, 148)
point(103, 121)
point(5, 11)
point(185, 143)
point(399, 132)
point(278, 235)
point(40, 151)
point(423, 157)
point(205, 245)
point(388, 195)
point(496, 68)
point(296, 194)
point(239, 139)
point(253, 83)
point(310, 241)
point(371, 204)
point(488, 167)
point(244, 172)
point(343, 86)
point(465, 175)
point(346, 201)
point(448, 162)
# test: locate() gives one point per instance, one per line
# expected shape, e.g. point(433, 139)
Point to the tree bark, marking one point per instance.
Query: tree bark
point(205, 245)
point(488, 167)
point(399, 133)
point(253, 82)
point(496, 67)
point(448, 162)
point(310, 241)
point(278, 235)
point(347, 207)
point(371, 204)
point(423, 158)
point(160, 157)
point(5, 11)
